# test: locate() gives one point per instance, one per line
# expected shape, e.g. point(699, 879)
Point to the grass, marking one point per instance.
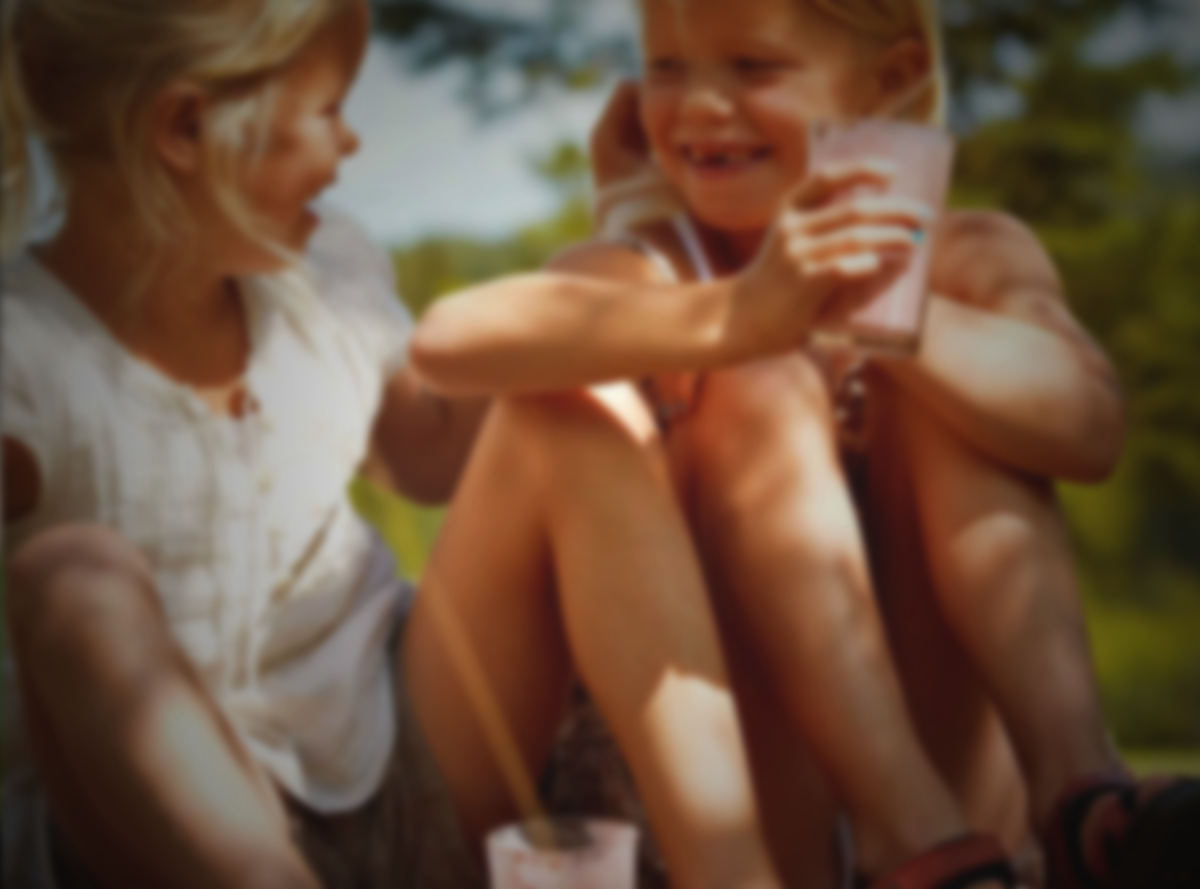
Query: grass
point(408, 529)
point(1164, 762)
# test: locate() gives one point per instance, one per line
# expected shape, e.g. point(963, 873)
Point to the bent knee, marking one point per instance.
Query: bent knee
point(60, 580)
point(779, 392)
point(771, 412)
point(580, 422)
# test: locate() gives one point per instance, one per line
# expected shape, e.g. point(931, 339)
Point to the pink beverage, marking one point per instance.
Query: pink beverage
point(890, 322)
point(586, 854)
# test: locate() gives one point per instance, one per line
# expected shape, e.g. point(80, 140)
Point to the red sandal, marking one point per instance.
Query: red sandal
point(1147, 835)
point(962, 863)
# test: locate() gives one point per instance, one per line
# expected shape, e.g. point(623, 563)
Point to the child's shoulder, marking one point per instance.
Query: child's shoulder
point(982, 256)
point(648, 254)
point(606, 258)
point(355, 280)
point(986, 227)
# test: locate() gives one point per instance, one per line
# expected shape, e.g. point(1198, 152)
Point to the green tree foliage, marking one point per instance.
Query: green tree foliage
point(1064, 153)
point(546, 50)
point(439, 265)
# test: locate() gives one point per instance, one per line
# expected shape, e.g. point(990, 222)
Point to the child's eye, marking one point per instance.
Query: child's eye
point(755, 65)
point(665, 66)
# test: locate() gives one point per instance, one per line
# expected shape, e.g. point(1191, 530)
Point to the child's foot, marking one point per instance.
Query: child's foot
point(972, 861)
point(1110, 832)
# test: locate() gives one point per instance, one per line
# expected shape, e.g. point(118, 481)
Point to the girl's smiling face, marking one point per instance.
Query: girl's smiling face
point(307, 137)
point(304, 139)
point(727, 97)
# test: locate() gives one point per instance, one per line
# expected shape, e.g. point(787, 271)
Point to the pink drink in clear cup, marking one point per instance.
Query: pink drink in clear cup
point(585, 854)
point(890, 322)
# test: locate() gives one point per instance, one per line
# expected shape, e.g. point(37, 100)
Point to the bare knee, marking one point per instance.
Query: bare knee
point(62, 584)
point(765, 466)
point(569, 432)
point(759, 406)
point(760, 390)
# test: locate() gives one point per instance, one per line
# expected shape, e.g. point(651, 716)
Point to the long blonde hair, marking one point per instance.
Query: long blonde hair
point(893, 20)
point(80, 76)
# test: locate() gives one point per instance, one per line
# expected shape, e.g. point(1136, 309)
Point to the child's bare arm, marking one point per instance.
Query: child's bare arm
point(1004, 362)
point(565, 330)
point(425, 438)
point(599, 314)
point(22, 481)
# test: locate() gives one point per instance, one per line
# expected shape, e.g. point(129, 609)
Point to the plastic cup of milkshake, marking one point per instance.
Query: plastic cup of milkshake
point(563, 853)
point(890, 321)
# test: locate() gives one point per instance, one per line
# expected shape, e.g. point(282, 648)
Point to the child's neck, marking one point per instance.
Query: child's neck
point(182, 318)
point(730, 251)
point(105, 259)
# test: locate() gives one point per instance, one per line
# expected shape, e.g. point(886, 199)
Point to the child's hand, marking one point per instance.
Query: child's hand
point(629, 186)
point(837, 243)
point(619, 148)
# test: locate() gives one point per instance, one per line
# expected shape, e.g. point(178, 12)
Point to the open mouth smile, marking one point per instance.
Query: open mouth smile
point(717, 160)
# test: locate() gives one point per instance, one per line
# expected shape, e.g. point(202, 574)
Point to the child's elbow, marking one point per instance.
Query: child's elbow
point(1099, 444)
point(437, 351)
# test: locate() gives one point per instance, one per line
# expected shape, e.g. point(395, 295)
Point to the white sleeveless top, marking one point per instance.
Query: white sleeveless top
point(278, 592)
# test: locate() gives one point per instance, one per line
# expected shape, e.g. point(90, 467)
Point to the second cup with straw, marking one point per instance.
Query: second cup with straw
point(539, 852)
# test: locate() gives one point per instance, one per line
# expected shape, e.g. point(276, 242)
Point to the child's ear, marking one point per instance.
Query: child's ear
point(903, 65)
point(176, 126)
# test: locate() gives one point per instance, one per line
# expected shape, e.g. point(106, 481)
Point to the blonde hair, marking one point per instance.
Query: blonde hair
point(893, 20)
point(80, 76)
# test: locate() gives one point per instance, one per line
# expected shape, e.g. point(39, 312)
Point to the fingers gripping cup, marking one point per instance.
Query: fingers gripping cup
point(890, 321)
point(563, 854)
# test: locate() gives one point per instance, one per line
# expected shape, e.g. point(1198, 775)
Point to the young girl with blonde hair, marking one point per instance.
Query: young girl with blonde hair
point(219, 681)
point(926, 703)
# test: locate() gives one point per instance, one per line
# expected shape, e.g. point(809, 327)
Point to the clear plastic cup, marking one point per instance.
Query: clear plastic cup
point(584, 854)
point(890, 321)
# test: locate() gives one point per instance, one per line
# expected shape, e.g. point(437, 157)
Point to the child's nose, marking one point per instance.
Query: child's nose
point(350, 141)
point(705, 97)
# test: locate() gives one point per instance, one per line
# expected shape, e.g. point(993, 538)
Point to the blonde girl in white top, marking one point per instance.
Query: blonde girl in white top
point(194, 365)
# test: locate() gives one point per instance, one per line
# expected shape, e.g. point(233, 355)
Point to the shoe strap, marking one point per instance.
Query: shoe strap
point(1067, 860)
point(961, 863)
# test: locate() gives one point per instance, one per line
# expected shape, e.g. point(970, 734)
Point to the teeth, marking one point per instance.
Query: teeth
point(722, 158)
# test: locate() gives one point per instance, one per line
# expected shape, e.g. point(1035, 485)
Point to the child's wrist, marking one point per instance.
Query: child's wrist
point(752, 330)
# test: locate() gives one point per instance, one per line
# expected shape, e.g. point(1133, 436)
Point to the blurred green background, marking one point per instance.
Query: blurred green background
point(1054, 101)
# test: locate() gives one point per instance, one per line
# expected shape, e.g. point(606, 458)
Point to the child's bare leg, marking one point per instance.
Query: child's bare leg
point(777, 524)
point(1001, 561)
point(955, 718)
point(565, 542)
point(799, 812)
point(145, 779)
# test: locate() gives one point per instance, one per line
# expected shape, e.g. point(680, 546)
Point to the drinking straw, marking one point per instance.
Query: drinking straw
point(496, 730)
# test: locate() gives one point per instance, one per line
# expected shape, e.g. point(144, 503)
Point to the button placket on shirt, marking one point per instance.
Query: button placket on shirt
point(236, 495)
